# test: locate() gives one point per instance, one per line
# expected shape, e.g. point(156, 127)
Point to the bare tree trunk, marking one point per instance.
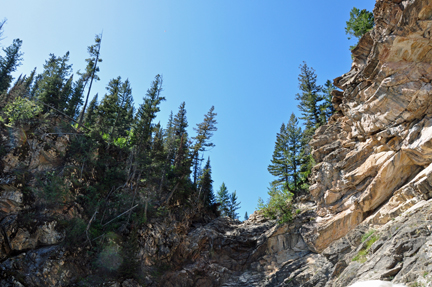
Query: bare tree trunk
point(91, 82)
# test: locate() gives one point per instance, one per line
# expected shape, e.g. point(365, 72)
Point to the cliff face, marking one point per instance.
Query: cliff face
point(374, 156)
point(370, 217)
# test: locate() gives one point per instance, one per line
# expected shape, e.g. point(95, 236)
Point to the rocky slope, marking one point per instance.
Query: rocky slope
point(370, 217)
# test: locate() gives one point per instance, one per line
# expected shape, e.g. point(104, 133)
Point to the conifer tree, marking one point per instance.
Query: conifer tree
point(223, 198)
point(310, 99)
point(75, 100)
point(295, 155)
point(53, 87)
point(327, 109)
point(246, 216)
point(360, 22)
point(233, 206)
point(143, 126)
point(205, 186)
point(2, 22)
point(202, 139)
point(287, 157)
point(91, 113)
point(91, 71)
point(9, 63)
point(180, 140)
point(279, 163)
point(115, 112)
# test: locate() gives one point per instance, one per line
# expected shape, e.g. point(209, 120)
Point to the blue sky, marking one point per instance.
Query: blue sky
point(242, 56)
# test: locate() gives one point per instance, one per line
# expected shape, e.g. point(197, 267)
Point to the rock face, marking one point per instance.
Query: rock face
point(370, 218)
point(374, 155)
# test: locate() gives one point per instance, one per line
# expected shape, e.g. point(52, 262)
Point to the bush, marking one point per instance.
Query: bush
point(20, 111)
point(55, 190)
point(278, 205)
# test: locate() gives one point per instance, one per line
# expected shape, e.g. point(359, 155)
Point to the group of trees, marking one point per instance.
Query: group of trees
point(292, 162)
point(121, 165)
point(228, 204)
point(112, 142)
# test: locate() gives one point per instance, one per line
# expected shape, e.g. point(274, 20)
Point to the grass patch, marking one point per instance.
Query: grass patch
point(367, 234)
point(371, 239)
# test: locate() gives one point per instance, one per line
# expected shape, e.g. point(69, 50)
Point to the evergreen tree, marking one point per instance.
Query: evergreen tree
point(9, 63)
point(144, 126)
point(91, 71)
point(91, 113)
point(205, 186)
point(287, 157)
point(54, 85)
point(310, 99)
point(2, 22)
point(246, 216)
point(202, 139)
point(223, 198)
point(327, 109)
point(233, 206)
point(73, 104)
point(180, 141)
point(360, 22)
point(295, 156)
point(115, 112)
point(279, 163)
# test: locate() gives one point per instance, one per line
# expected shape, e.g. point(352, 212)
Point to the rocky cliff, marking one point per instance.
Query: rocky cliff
point(369, 215)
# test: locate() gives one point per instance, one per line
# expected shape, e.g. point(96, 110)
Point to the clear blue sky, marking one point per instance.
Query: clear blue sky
point(242, 56)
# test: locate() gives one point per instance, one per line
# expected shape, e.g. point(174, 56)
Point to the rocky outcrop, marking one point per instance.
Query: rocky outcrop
point(374, 155)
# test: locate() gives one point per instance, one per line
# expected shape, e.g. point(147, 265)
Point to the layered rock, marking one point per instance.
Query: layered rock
point(374, 155)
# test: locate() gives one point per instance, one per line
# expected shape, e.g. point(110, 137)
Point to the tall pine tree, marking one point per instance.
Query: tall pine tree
point(288, 157)
point(310, 98)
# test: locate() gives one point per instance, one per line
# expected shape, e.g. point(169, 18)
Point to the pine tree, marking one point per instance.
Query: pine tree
point(180, 141)
point(223, 198)
point(9, 63)
point(2, 22)
point(53, 87)
point(279, 163)
point(327, 109)
point(91, 113)
point(246, 216)
point(144, 127)
point(91, 71)
point(115, 112)
point(310, 99)
point(233, 206)
point(287, 157)
point(295, 155)
point(360, 22)
point(202, 139)
point(205, 186)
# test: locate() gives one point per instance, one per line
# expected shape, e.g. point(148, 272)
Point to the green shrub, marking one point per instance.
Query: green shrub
point(20, 111)
point(278, 205)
